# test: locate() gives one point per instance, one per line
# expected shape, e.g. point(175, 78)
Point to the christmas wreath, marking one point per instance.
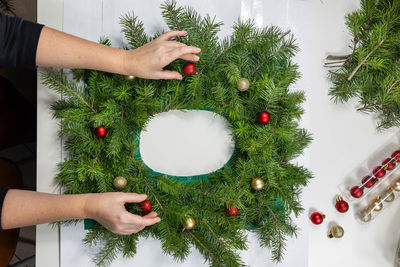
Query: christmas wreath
point(245, 78)
point(371, 72)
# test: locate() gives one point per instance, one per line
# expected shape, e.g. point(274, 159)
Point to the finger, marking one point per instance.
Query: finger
point(149, 221)
point(174, 44)
point(167, 74)
point(151, 215)
point(133, 197)
point(180, 51)
point(168, 35)
point(190, 57)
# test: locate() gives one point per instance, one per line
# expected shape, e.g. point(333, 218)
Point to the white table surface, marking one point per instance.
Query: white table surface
point(343, 138)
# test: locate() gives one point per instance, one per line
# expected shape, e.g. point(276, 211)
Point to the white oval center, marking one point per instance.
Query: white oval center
point(186, 143)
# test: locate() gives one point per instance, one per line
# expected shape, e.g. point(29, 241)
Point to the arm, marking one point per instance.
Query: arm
point(58, 49)
point(23, 208)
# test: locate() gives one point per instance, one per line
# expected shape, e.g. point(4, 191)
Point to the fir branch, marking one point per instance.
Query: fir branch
point(56, 81)
point(209, 253)
point(365, 59)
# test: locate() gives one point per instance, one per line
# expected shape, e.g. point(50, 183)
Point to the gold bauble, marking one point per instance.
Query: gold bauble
point(189, 223)
point(120, 182)
point(376, 205)
point(336, 231)
point(257, 183)
point(388, 195)
point(243, 84)
point(396, 185)
point(129, 77)
point(365, 215)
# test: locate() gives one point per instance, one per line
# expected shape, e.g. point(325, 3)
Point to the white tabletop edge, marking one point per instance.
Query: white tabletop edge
point(49, 13)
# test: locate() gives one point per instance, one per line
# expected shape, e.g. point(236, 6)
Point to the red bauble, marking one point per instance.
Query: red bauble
point(368, 181)
point(379, 172)
point(317, 218)
point(388, 164)
point(232, 211)
point(396, 155)
point(263, 117)
point(100, 131)
point(356, 191)
point(189, 68)
point(146, 206)
point(341, 205)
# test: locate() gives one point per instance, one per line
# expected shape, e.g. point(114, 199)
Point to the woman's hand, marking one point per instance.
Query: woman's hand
point(108, 209)
point(149, 60)
point(58, 49)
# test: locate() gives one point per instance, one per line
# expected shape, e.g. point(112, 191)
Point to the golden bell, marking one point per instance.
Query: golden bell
point(120, 182)
point(396, 185)
point(336, 231)
point(129, 77)
point(189, 223)
point(365, 215)
point(257, 183)
point(377, 205)
point(388, 195)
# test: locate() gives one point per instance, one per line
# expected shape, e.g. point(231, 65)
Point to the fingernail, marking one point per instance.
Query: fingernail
point(144, 195)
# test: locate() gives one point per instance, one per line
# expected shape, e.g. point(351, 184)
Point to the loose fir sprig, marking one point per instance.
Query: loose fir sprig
point(371, 72)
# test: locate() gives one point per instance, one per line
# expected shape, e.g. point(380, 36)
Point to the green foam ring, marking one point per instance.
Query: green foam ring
point(277, 202)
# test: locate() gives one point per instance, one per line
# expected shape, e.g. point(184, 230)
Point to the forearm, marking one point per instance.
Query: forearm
point(23, 208)
point(61, 50)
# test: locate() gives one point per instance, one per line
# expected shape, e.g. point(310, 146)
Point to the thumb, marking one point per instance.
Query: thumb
point(133, 197)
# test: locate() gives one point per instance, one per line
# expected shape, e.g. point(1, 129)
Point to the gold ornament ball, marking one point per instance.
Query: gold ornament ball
point(365, 215)
point(376, 205)
point(120, 182)
point(129, 77)
point(189, 223)
point(243, 84)
point(388, 195)
point(257, 184)
point(336, 231)
point(396, 185)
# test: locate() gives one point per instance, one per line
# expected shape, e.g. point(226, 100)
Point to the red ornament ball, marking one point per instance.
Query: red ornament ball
point(396, 155)
point(341, 205)
point(146, 206)
point(379, 172)
point(368, 181)
point(317, 218)
point(189, 68)
point(356, 192)
point(100, 131)
point(263, 117)
point(388, 164)
point(232, 211)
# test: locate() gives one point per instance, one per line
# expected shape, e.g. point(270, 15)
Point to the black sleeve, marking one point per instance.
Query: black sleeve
point(3, 192)
point(18, 42)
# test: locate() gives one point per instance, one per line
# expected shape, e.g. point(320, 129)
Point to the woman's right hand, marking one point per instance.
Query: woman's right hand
point(108, 209)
